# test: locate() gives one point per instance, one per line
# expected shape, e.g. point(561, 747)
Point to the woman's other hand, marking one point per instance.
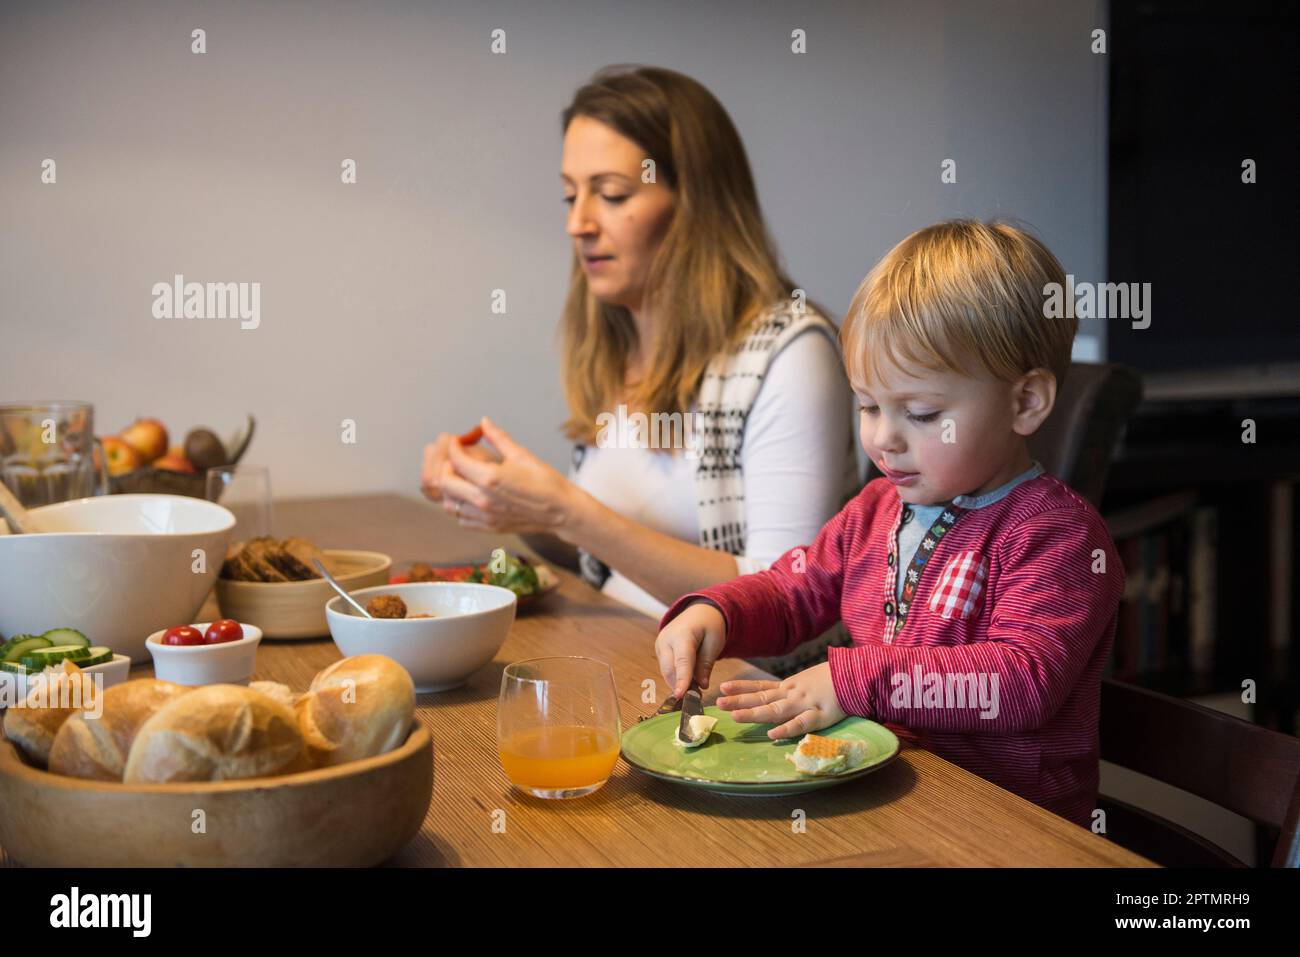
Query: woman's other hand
point(516, 493)
point(436, 457)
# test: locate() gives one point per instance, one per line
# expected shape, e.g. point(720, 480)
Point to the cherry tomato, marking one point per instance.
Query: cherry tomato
point(226, 629)
point(472, 436)
point(182, 635)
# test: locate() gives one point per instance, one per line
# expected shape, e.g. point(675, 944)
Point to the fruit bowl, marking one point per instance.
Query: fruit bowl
point(167, 482)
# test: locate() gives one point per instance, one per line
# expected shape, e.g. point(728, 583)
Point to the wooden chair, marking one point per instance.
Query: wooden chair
point(1239, 766)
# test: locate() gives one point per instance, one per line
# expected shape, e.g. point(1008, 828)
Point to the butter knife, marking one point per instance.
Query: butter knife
point(670, 705)
point(692, 706)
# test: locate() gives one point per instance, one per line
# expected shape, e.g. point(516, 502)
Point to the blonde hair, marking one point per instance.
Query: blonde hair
point(959, 292)
point(715, 269)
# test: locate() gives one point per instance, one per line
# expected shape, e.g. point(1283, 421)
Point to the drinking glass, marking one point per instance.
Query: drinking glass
point(246, 491)
point(48, 452)
point(557, 725)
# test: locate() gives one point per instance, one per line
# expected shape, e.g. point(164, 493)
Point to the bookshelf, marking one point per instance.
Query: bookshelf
point(1206, 526)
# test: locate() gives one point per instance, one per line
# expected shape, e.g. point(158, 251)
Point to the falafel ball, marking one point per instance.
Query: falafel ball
point(386, 606)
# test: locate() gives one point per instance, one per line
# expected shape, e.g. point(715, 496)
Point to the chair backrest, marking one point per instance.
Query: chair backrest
point(1246, 769)
point(1078, 439)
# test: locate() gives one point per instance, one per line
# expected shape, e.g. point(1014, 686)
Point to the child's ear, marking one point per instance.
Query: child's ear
point(1035, 397)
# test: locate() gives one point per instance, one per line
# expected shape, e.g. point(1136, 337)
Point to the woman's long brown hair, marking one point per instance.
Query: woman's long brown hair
point(715, 270)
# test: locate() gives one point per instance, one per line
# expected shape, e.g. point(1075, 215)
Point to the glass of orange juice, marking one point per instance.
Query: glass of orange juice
point(557, 725)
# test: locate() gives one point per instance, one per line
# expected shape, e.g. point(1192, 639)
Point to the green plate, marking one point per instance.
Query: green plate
point(742, 759)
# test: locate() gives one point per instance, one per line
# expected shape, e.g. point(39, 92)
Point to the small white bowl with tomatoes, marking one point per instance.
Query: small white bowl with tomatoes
point(207, 653)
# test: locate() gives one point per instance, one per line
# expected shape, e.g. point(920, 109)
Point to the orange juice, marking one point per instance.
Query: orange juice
point(559, 757)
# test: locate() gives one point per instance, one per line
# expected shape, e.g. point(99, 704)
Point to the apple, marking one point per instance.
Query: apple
point(173, 463)
point(119, 457)
point(148, 437)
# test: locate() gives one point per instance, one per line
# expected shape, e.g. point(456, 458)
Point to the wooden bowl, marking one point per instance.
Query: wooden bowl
point(297, 609)
point(355, 815)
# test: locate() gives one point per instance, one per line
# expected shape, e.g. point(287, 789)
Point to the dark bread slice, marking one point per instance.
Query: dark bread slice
point(295, 556)
point(257, 558)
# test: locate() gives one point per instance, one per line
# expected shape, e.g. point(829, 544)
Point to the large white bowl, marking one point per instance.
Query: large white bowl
point(468, 628)
point(117, 568)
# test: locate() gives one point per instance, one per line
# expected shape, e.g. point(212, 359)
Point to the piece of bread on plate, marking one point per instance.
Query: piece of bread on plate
point(817, 754)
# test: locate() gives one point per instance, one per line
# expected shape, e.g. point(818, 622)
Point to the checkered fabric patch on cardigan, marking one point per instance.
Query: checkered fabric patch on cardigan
point(959, 587)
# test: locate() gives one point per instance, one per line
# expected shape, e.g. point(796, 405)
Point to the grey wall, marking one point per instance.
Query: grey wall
point(375, 297)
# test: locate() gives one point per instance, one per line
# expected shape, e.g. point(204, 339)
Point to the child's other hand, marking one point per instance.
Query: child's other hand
point(689, 645)
point(798, 705)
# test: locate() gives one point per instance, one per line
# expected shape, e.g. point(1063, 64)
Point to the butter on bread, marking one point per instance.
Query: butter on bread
point(817, 754)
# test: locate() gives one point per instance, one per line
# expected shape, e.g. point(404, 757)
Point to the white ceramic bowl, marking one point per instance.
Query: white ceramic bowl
point(225, 663)
point(115, 567)
point(469, 627)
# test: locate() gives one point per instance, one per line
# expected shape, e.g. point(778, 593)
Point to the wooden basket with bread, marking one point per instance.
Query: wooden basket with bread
point(159, 775)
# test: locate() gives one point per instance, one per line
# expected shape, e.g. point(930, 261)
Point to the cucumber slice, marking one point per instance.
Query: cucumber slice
point(25, 645)
point(44, 657)
point(98, 655)
point(13, 667)
point(66, 636)
point(4, 648)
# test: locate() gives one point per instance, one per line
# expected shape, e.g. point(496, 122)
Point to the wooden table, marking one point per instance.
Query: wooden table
point(919, 811)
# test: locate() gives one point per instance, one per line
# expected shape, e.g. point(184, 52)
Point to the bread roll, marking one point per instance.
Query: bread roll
point(52, 698)
point(215, 733)
point(356, 708)
point(96, 748)
point(274, 689)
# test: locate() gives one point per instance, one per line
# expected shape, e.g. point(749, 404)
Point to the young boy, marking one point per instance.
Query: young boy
point(980, 592)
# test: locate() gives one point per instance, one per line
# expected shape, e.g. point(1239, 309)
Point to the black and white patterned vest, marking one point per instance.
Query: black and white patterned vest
point(727, 393)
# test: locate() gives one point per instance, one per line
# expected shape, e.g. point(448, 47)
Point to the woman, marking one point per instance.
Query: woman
point(676, 304)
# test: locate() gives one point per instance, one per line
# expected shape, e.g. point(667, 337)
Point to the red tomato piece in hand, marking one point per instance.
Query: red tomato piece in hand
point(472, 436)
point(182, 635)
point(226, 629)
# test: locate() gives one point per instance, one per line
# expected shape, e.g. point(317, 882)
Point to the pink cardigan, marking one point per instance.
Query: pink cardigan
point(999, 664)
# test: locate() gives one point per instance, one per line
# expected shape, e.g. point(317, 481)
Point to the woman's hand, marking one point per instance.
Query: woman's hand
point(798, 705)
point(436, 457)
point(517, 493)
point(689, 645)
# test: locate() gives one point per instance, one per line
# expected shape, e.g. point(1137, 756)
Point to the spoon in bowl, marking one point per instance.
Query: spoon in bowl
point(14, 511)
point(339, 588)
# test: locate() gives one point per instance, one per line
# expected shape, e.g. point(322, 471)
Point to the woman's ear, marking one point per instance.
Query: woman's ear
point(1034, 396)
